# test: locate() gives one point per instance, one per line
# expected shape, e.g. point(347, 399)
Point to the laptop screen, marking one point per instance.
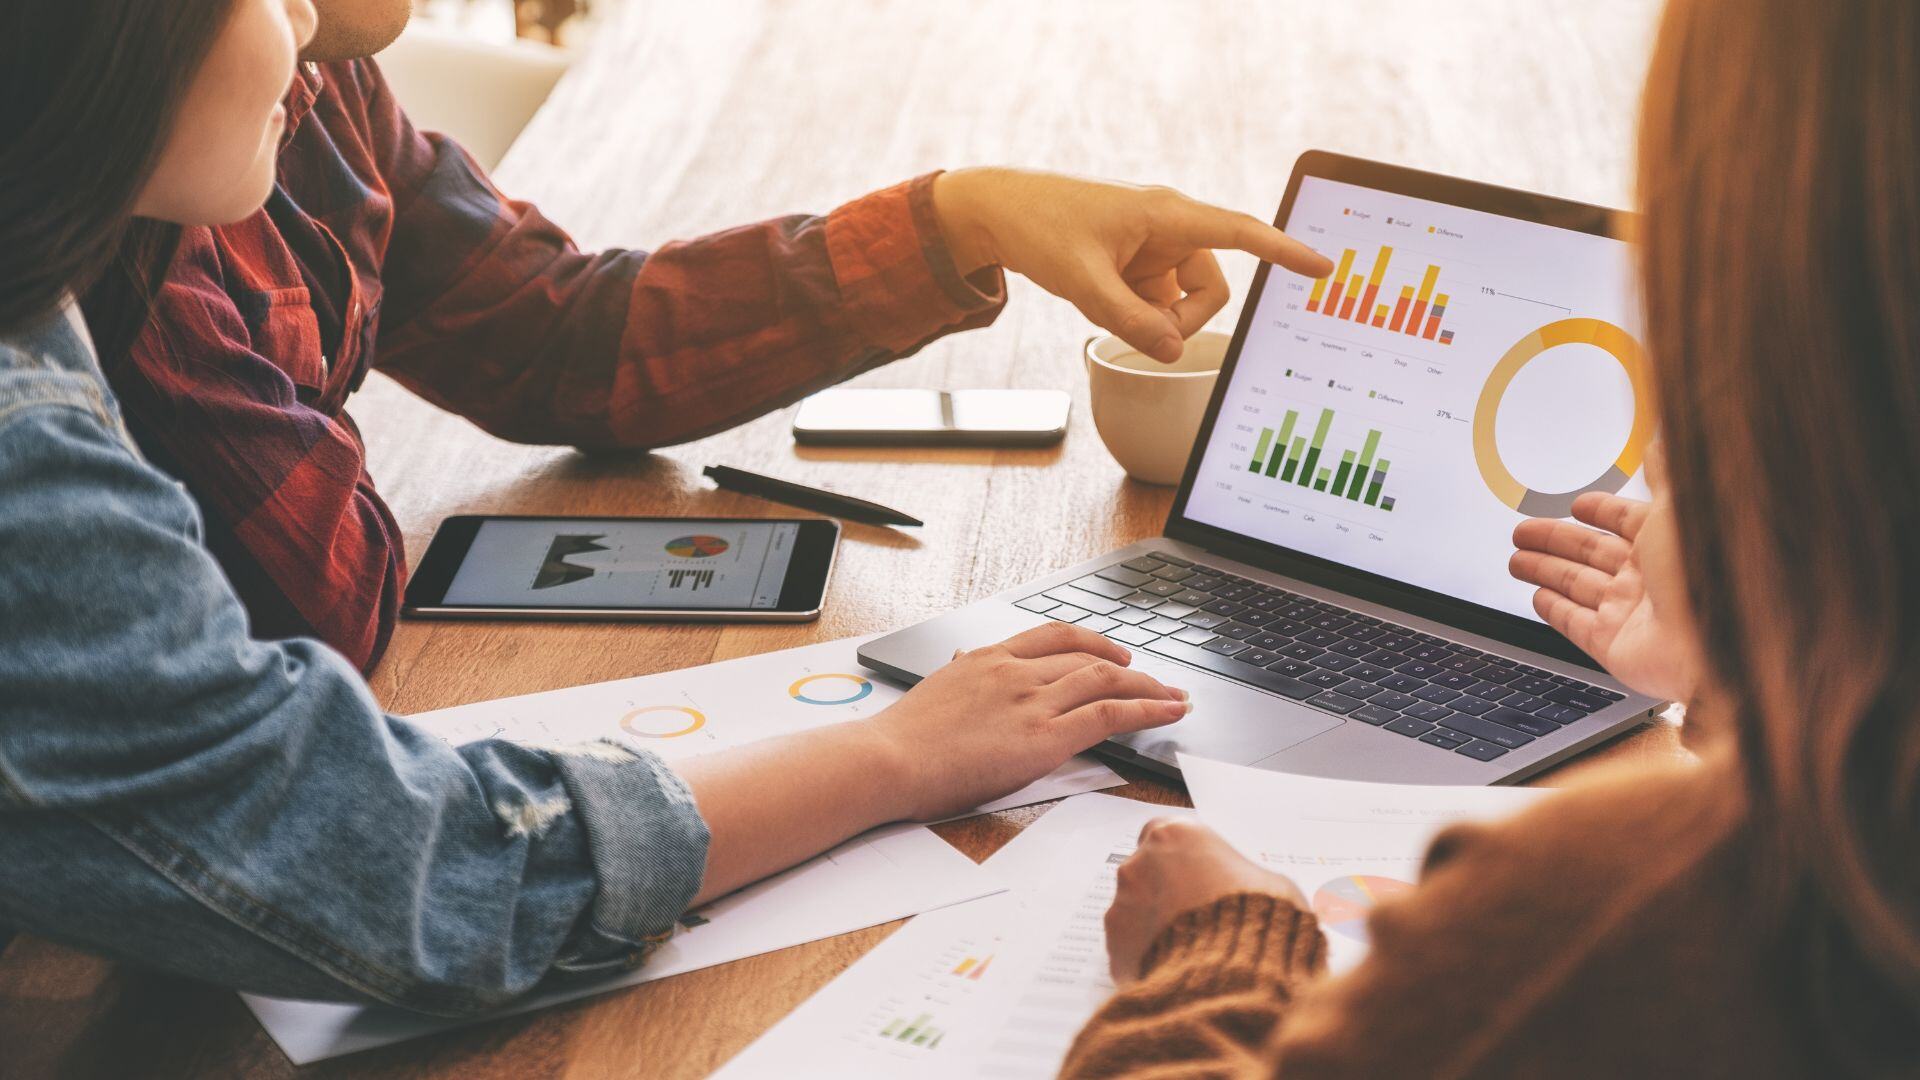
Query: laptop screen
point(1460, 370)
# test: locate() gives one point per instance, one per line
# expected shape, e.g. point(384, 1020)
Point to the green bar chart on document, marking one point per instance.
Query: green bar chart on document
point(1358, 476)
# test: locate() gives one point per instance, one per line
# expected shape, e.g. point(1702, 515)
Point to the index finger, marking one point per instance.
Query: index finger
point(1214, 227)
point(1614, 513)
point(1059, 637)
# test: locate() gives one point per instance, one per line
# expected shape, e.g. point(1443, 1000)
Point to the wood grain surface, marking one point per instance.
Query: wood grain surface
point(686, 118)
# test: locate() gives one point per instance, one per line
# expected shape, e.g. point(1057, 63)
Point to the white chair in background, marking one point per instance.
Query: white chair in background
point(480, 93)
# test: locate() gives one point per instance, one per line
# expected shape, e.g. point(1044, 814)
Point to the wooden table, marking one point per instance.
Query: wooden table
point(691, 117)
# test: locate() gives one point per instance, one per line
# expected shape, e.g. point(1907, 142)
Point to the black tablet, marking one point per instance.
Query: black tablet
point(694, 569)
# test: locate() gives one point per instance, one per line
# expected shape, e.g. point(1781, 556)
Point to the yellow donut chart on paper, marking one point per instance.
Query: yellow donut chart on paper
point(1603, 335)
point(691, 720)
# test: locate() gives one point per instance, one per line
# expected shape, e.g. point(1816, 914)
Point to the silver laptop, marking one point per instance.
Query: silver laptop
point(1332, 584)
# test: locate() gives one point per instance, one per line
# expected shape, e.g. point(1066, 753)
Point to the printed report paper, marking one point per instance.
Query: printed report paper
point(885, 875)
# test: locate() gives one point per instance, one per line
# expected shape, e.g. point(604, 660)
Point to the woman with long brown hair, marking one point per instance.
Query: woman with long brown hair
point(1757, 914)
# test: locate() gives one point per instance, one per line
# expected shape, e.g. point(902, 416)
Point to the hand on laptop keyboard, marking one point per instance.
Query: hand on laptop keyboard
point(1446, 695)
point(998, 718)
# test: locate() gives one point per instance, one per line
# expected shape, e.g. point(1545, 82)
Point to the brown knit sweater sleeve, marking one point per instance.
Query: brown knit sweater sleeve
point(1214, 986)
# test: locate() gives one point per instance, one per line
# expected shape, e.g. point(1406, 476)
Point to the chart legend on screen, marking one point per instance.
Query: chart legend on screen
point(1293, 459)
point(1347, 295)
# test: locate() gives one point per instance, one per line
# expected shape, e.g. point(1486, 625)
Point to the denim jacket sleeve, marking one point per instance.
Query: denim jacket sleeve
point(175, 793)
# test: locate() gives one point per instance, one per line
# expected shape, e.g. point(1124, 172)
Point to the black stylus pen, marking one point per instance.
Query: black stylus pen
point(806, 498)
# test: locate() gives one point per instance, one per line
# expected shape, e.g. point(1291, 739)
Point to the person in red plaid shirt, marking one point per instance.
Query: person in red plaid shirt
point(383, 246)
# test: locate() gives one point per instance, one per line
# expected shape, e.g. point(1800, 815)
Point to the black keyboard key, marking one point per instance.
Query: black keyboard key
point(1223, 607)
point(1234, 631)
point(1235, 592)
point(1495, 674)
point(1535, 685)
point(1171, 560)
point(1299, 650)
point(1256, 657)
point(1224, 646)
point(1524, 702)
point(1568, 682)
point(1173, 573)
point(1291, 668)
point(1412, 729)
point(1267, 639)
point(1560, 714)
point(1320, 638)
point(1393, 699)
point(1472, 706)
point(1205, 620)
point(1325, 680)
point(1369, 672)
point(1374, 714)
point(1437, 694)
point(1519, 721)
point(1192, 635)
point(1492, 691)
point(1493, 733)
point(1362, 633)
point(1610, 695)
point(1189, 596)
point(1289, 627)
point(1452, 680)
point(1418, 669)
point(1360, 688)
point(1480, 751)
point(1252, 676)
point(1335, 703)
point(1145, 564)
point(1439, 737)
point(1161, 589)
point(1428, 711)
point(1394, 641)
point(1406, 684)
point(1203, 583)
point(1576, 699)
point(1354, 649)
point(1174, 611)
point(1253, 616)
point(1335, 662)
point(1303, 611)
point(1432, 654)
point(1385, 658)
point(1127, 576)
point(1264, 602)
point(1463, 665)
point(1330, 621)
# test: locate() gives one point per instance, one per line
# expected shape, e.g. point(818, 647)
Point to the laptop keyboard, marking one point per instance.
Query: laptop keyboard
point(1445, 695)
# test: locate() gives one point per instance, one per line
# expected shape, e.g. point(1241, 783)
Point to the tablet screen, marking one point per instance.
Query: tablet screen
point(614, 564)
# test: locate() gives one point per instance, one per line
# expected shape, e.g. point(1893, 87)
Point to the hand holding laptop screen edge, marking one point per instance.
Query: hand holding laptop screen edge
point(1308, 508)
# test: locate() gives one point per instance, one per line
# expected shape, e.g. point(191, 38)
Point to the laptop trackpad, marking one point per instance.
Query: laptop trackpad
point(1229, 722)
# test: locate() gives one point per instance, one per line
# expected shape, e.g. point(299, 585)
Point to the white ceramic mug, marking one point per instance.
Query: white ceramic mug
point(1147, 412)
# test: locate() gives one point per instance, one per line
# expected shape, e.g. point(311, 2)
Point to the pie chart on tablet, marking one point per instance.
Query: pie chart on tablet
point(696, 547)
point(1344, 903)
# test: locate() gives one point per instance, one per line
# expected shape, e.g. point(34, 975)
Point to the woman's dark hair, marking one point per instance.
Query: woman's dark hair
point(1780, 175)
point(88, 92)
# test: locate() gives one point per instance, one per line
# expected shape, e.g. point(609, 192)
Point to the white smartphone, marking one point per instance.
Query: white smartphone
point(861, 417)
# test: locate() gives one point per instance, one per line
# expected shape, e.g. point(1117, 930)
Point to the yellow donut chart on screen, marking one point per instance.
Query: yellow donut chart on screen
point(685, 721)
point(1596, 332)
